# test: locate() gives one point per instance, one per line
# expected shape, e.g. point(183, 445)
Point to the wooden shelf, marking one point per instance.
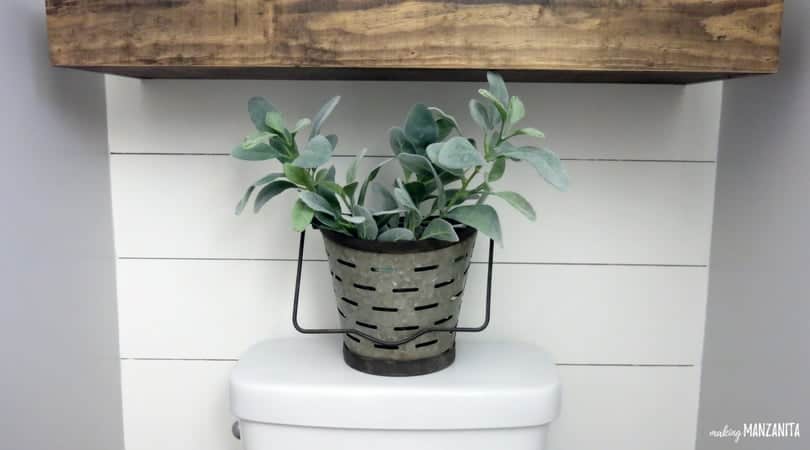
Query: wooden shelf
point(655, 41)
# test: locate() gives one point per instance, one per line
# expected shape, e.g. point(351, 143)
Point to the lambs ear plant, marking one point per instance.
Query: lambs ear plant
point(447, 178)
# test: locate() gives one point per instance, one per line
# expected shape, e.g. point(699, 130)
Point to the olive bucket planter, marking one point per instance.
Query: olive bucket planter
point(398, 302)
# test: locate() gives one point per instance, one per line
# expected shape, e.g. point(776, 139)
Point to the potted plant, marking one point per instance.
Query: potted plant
point(399, 261)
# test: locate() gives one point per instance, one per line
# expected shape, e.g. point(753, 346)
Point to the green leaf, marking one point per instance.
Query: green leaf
point(516, 110)
point(361, 198)
point(329, 195)
point(497, 170)
point(317, 203)
point(368, 229)
point(547, 164)
point(330, 174)
point(445, 128)
point(440, 229)
point(356, 220)
point(258, 152)
point(261, 182)
point(333, 140)
point(497, 103)
point(404, 199)
point(533, 132)
point(417, 164)
point(445, 122)
point(270, 191)
point(324, 112)
point(299, 176)
point(388, 201)
point(422, 167)
point(498, 87)
point(275, 121)
point(331, 187)
point(350, 189)
point(483, 218)
point(399, 142)
point(351, 173)
point(245, 199)
point(258, 108)
point(479, 114)
point(316, 153)
point(417, 190)
point(301, 216)
point(327, 221)
point(301, 124)
point(459, 153)
point(518, 202)
point(396, 234)
point(420, 128)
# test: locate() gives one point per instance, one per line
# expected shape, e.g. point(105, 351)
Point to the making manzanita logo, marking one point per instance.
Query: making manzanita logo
point(759, 430)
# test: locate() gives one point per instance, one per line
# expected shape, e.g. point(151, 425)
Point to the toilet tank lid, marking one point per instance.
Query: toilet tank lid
point(304, 381)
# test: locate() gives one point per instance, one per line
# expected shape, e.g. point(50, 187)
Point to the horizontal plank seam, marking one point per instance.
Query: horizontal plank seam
point(505, 263)
point(693, 161)
point(558, 364)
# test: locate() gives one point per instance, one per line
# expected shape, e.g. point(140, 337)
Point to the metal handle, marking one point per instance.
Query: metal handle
point(303, 330)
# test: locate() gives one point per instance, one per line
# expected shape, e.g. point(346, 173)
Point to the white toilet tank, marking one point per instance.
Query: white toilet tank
point(298, 394)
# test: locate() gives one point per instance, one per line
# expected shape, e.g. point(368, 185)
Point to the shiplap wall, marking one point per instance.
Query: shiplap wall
point(611, 279)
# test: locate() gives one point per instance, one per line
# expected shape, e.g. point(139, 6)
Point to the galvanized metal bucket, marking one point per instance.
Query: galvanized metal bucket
point(391, 291)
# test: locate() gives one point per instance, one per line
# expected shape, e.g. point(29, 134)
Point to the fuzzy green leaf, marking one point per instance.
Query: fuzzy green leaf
point(483, 218)
point(316, 153)
point(270, 191)
point(459, 153)
point(275, 121)
point(245, 199)
point(445, 122)
point(301, 124)
point(258, 108)
point(497, 170)
point(533, 132)
point(386, 197)
point(498, 87)
point(400, 142)
point(301, 216)
point(547, 164)
point(361, 198)
point(396, 234)
point(350, 189)
point(440, 229)
point(351, 173)
point(368, 229)
point(261, 182)
point(299, 176)
point(323, 113)
point(317, 203)
point(497, 103)
point(518, 202)
point(420, 128)
point(516, 110)
point(479, 114)
point(333, 140)
point(404, 199)
point(258, 152)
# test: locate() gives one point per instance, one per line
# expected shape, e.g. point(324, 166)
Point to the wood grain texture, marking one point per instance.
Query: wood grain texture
point(577, 40)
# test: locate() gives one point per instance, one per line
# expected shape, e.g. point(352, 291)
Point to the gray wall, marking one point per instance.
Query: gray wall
point(756, 363)
point(59, 372)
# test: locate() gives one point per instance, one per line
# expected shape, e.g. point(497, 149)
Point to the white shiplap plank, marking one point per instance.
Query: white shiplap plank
point(180, 405)
point(627, 408)
point(615, 212)
point(582, 314)
point(581, 121)
point(176, 405)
